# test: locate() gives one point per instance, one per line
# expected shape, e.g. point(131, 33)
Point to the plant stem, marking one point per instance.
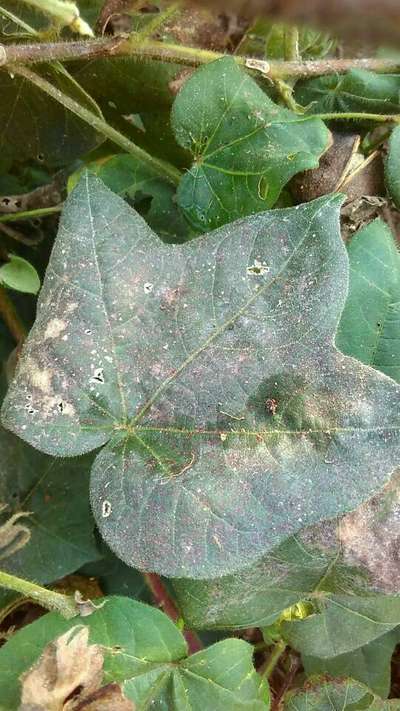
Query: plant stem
point(358, 116)
point(10, 317)
point(51, 600)
point(291, 43)
point(30, 214)
point(277, 651)
point(158, 166)
point(178, 54)
point(163, 599)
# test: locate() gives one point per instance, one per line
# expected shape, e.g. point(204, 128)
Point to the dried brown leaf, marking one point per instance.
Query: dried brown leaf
point(68, 676)
point(13, 535)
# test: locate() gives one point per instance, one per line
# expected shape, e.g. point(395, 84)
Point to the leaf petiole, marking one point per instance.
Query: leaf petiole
point(50, 599)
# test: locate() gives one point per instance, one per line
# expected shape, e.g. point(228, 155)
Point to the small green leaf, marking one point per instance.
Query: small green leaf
point(245, 147)
point(370, 325)
point(133, 181)
point(392, 166)
point(146, 653)
point(154, 352)
point(358, 90)
point(20, 275)
point(344, 694)
point(369, 664)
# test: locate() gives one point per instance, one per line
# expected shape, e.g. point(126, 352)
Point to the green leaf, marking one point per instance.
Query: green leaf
point(344, 694)
point(370, 325)
point(369, 664)
point(133, 181)
point(245, 147)
point(392, 166)
point(145, 652)
point(266, 39)
point(55, 493)
point(347, 615)
point(343, 623)
point(33, 125)
point(171, 354)
point(358, 90)
point(20, 275)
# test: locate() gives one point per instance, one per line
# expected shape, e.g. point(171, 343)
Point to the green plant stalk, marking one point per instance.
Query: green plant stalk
point(17, 21)
point(292, 44)
point(357, 116)
point(30, 214)
point(178, 54)
point(49, 599)
point(277, 651)
point(158, 166)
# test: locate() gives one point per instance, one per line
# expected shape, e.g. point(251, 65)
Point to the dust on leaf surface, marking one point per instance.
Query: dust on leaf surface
point(245, 147)
point(320, 694)
point(169, 354)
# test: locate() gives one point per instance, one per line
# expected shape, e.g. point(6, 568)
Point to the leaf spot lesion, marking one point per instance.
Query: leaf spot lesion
point(258, 268)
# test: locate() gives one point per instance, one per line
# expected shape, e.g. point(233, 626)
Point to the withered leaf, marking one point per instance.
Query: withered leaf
point(68, 676)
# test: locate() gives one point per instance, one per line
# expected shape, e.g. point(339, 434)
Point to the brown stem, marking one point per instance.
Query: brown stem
point(10, 317)
point(287, 682)
point(190, 56)
point(163, 599)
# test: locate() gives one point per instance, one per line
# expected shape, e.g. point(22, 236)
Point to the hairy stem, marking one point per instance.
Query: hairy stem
point(358, 116)
point(158, 166)
point(51, 600)
point(164, 600)
point(10, 317)
point(190, 56)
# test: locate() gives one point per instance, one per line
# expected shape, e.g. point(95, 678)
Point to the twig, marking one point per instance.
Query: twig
point(159, 167)
point(164, 600)
point(10, 317)
point(51, 600)
point(124, 46)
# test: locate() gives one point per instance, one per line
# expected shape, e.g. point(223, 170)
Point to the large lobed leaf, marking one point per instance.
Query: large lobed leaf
point(146, 653)
point(245, 147)
point(172, 355)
